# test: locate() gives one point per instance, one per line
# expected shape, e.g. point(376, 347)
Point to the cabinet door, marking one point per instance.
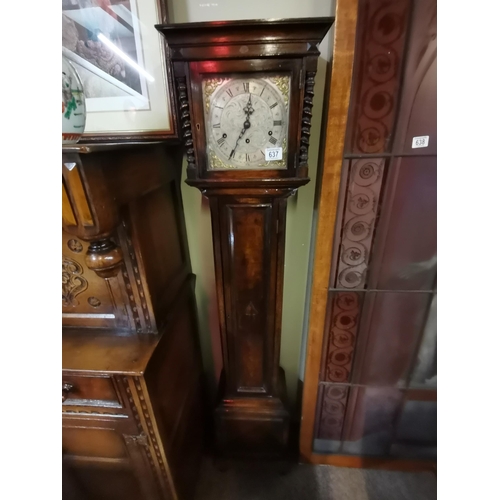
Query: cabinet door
point(106, 458)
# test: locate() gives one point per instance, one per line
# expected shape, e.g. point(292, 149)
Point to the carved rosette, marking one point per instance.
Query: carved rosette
point(359, 218)
point(75, 246)
point(305, 131)
point(185, 118)
point(94, 302)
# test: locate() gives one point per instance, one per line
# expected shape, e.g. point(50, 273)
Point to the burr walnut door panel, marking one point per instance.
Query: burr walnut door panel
point(87, 299)
point(251, 241)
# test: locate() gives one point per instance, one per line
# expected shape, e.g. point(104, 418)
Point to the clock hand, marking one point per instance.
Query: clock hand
point(246, 126)
point(248, 108)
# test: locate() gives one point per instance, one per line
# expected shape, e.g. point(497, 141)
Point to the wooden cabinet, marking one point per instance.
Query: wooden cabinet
point(107, 452)
point(132, 413)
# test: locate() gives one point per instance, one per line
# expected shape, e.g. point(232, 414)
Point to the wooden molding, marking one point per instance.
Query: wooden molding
point(338, 106)
point(369, 463)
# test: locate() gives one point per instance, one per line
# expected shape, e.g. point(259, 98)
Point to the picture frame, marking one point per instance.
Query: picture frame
point(122, 61)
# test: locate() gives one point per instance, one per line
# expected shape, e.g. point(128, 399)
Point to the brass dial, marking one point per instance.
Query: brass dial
point(245, 119)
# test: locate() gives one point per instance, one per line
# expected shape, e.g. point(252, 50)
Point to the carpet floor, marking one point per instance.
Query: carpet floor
point(312, 482)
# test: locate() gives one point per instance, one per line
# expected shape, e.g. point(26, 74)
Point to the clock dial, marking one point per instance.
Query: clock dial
point(244, 117)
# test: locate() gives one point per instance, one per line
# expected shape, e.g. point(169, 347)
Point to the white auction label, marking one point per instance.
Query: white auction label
point(420, 142)
point(274, 154)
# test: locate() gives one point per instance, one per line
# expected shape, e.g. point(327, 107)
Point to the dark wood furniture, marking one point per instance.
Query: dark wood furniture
point(248, 208)
point(370, 383)
point(131, 382)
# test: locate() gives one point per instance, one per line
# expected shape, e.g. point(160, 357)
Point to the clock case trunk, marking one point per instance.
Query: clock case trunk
point(248, 210)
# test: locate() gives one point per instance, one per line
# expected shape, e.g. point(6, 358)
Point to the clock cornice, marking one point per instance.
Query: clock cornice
point(262, 38)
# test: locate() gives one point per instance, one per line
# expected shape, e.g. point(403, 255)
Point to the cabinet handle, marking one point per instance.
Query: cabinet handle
point(66, 389)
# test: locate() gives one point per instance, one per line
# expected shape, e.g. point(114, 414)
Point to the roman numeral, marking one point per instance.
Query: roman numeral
point(272, 140)
point(229, 92)
point(247, 157)
point(220, 141)
point(263, 88)
point(277, 123)
point(246, 87)
point(216, 125)
point(273, 105)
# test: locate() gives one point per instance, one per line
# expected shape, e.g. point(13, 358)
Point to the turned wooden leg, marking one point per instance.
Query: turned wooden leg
point(104, 257)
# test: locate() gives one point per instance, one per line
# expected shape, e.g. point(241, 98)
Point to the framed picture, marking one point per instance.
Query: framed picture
point(120, 58)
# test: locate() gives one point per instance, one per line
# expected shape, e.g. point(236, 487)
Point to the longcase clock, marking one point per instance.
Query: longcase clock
point(245, 91)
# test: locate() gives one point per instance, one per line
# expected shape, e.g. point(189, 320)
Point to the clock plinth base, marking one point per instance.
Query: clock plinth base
point(253, 426)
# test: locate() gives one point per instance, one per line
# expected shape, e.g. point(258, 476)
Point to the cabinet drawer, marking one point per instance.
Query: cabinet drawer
point(89, 391)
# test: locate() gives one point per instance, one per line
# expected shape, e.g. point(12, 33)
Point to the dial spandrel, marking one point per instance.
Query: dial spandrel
point(243, 118)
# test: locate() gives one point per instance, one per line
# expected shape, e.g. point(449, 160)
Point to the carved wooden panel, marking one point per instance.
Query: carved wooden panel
point(87, 299)
point(155, 264)
point(127, 256)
